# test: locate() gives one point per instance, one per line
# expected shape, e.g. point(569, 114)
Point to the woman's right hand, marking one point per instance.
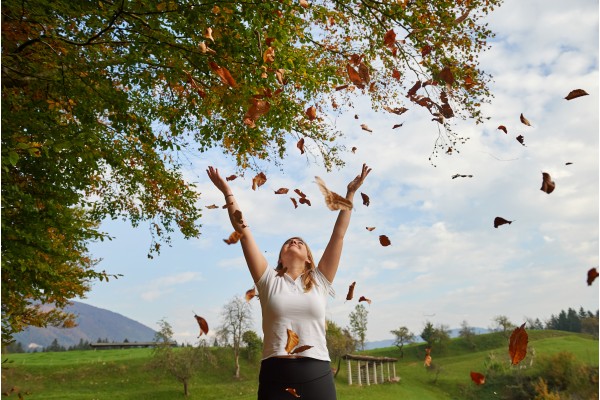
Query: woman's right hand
point(217, 180)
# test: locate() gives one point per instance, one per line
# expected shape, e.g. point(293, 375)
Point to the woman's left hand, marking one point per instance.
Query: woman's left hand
point(358, 181)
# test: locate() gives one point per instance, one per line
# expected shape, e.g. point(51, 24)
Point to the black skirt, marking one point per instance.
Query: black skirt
point(309, 378)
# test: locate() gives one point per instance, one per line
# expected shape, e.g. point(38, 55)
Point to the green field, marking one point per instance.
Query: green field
point(124, 374)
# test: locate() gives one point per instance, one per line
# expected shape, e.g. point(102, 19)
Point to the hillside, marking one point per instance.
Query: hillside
point(93, 323)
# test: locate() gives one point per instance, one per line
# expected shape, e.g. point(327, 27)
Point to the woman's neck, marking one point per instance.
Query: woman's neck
point(295, 269)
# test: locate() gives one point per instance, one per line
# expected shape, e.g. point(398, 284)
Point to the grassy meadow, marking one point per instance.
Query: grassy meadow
point(124, 374)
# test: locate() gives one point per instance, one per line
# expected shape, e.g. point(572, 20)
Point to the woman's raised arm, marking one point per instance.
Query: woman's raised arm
point(328, 264)
point(256, 261)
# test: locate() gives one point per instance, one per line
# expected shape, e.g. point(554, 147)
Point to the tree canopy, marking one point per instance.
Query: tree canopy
point(105, 101)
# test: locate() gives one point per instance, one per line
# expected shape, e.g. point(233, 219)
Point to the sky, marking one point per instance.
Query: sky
point(446, 263)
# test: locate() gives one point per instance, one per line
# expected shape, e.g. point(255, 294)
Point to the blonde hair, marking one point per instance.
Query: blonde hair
point(307, 279)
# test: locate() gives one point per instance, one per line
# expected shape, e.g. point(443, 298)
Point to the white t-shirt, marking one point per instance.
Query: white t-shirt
point(285, 305)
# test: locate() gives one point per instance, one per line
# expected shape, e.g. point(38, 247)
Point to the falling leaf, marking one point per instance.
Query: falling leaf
point(521, 139)
point(258, 180)
point(292, 391)
point(384, 240)
point(462, 17)
point(503, 128)
point(279, 75)
point(517, 345)
point(397, 110)
point(447, 76)
point(478, 378)
point(354, 150)
point(294, 201)
point(208, 34)
point(576, 93)
point(250, 294)
point(591, 276)
point(341, 87)
point(524, 120)
point(389, 39)
point(547, 183)
point(568, 163)
point(231, 177)
point(333, 200)
point(425, 50)
point(304, 200)
point(299, 192)
point(461, 176)
point(311, 113)
point(365, 199)
point(304, 3)
point(205, 49)
point(363, 72)
point(269, 55)
point(413, 90)
point(257, 109)
point(500, 221)
point(370, 228)
point(355, 116)
point(397, 126)
point(202, 324)
point(212, 206)
point(396, 74)
point(363, 298)
point(365, 128)
point(292, 341)
point(300, 349)
point(350, 294)
point(281, 191)
point(300, 145)
point(354, 76)
point(233, 238)
point(223, 73)
point(427, 357)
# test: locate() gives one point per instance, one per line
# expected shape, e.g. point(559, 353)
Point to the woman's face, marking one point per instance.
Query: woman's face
point(292, 249)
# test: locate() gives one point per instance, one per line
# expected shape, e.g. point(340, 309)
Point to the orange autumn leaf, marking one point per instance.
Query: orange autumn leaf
point(292, 391)
point(269, 55)
point(311, 113)
point(354, 76)
point(258, 180)
point(233, 238)
point(250, 294)
point(501, 221)
point(350, 294)
point(292, 341)
point(281, 191)
point(384, 240)
point(333, 200)
point(573, 94)
point(223, 73)
point(517, 345)
point(300, 349)
point(524, 120)
point(478, 378)
point(363, 72)
point(202, 324)
point(365, 199)
point(370, 228)
point(304, 3)
point(396, 74)
point(257, 109)
point(591, 276)
point(300, 145)
point(363, 298)
point(208, 34)
point(547, 183)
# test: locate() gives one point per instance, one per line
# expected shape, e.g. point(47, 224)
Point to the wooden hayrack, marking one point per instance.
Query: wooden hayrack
point(369, 370)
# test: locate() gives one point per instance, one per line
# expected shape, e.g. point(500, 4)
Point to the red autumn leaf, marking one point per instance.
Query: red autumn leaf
point(223, 73)
point(300, 349)
point(300, 145)
point(524, 120)
point(202, 324)
point(478, 378)
point(517, 345)
point(365, 128)
point(384, 240)
point(333, 200)
point(250, 294)
point(356, 59)
point(281, 191)
point(294, 201)
point(573, 94)
point(233, 238)
point(501, 221)
point(521, 139)
point(547, 183)
point(350, 294)
point(258, 180)
point(299, 192)
point(397, 110)
point(363, 298)
point(591, 276)
point(365, 199)
point(292, 391)
point(231, 177)
point(212, 206)
point(311, 113)
point(389, 39)
point(292, 341)
point(396, 74)
point(370, 228)
point(503, 128)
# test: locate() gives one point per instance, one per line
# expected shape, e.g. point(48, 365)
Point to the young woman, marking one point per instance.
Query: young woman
point(293, 296)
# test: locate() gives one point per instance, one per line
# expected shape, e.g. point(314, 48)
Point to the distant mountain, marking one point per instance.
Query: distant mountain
point(390, 342)
point(93, 323)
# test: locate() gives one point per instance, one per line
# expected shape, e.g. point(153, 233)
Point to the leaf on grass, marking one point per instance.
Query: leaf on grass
point(202, 324)
point(524, 120)
point(300, 145)
point(363, 298)
point(250, 294)
point(365, 199)
point(501, 221)
point(292, 391)
point(517, 345)
point(350, 294)
point(292, 341)
point(233, 238)
point(591, 276)
point(384, 240)
point(258, 180)
point(573, 94)
point(503, 128)
point(548, 184)
point(478, 378)
point(333, 200)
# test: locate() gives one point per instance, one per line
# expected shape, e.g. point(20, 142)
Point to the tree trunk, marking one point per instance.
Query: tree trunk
point(337, 371)
point(237, 365)
point(186, 393)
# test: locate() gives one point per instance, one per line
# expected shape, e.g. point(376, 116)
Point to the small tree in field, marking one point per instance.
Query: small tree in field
point(237, 319)
point(402, 336)
point(181, 363)
point(358, 324)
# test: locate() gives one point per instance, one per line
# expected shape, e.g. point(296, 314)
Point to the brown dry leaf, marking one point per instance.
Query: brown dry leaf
point(425, 50)
point(294, 201)
point(413, 90)
point(250, 294)
point(238, 218)
point(205, 49)
point(292, 341)
point(269, 55)
point(258, 180)
point(233, 238)
point(365, 128)
point(299, 192)
point(257, 109)
point(462, 17)
point(300, 145)
point(517, 345)
point(573, 94)
point(502, 128)
point(501, 221)
point(370, 228)
point(428, 357)
point(279, 75)
point(397, 110)
point(447, 76)
point(354, 150)
point(281, 191)
point(478, 378)
point(389, 39)
point(363, 298)
point(521, 139)
point(300, 349)
point(223, 73)
point(591, 276)
point(350, 294)
point(333, 200)
point(231, 177)
point(397, 126)
point(304, 3)
point(208, 34)
point(202, 324)
point(292, 391)
point(311, 113)
point(547, 183)
point(524, 120)
point(212, 206)
point(363, 72)
point(365, 199)
point(341, 87)
point(304, 200)
point(384, 240)
point(354, 76)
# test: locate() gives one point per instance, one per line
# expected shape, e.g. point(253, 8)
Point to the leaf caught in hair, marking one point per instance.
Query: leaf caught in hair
point(478, 378)
point(547, 183)
point(333, 200)
point(350, 294)
point(281, 191)
point(573, 94)
point(370, 228)
point(292, 341)
point(233, 238)
point(503, 128)
point(384, 240)
point(521, 139)
point(363, 298)
point(501, 221)
point(591, 276)
point(517, 345)
point(300, 145)
point(365, 199)
point(250, 294)
point(258, 180)
point(231, 177)
point(300, 349)
point(365, 128)
point(202, 324)
point(311, 113)
point(524, 120)
point(294, 201)
point(292, 391)
point(212, 206)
